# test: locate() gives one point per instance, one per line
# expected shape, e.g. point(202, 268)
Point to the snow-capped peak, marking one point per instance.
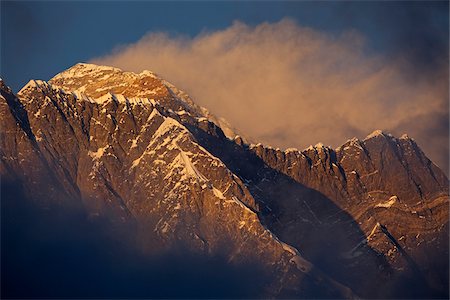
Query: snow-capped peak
point(82, 69)
point(33, 84)
point(374, 134)
point(89, 69)
point(99, 82)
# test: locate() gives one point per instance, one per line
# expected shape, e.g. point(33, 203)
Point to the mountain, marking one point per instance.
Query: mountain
point(368, 219)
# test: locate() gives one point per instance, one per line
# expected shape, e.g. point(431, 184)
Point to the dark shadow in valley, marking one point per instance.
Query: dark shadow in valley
point(57, 253)
point(306, 219)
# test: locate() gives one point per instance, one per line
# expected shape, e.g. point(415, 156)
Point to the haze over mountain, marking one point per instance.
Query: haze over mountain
point(288, 85)
point(147, 174)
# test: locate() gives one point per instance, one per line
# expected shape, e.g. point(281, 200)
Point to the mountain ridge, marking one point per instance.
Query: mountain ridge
point(116, 142)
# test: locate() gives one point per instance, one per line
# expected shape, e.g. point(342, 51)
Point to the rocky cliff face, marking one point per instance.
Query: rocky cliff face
point(323, 222)
point(395, 197)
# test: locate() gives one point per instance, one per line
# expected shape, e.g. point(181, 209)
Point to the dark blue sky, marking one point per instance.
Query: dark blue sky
point(42, 38)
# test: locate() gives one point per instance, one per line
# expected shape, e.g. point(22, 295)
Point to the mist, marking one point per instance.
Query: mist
point(291, 86)
point(59, 252)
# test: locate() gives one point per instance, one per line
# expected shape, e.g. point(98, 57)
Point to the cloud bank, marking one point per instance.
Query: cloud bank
point(292, 86)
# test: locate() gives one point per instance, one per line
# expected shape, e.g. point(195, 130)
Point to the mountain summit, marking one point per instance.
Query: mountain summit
point(368, 219)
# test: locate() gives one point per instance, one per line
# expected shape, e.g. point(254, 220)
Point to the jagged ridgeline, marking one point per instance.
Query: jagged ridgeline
point(130, 168)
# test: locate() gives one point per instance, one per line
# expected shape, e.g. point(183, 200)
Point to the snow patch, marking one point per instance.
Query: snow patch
point(148, 73)
point(167, 125)
point(182, 112)
point(192, 170)
point(241, 204)
point(137, 161)
point(37, 114)
point(120, 98)
point(374, 229)
point(134, 143)
point(302, 264)
point(388, 203)
point(241, 224)
point(99, 153)
point(218, 193)
point(319, 146)
point(289, 150)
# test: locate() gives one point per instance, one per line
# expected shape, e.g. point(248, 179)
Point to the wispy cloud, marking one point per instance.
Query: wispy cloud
point(291, 86)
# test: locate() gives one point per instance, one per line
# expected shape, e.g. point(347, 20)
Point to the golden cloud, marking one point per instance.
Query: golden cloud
point(291, 86)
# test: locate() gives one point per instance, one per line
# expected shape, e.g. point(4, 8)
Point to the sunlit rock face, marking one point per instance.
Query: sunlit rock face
point(365, 219)
point(384, 188)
